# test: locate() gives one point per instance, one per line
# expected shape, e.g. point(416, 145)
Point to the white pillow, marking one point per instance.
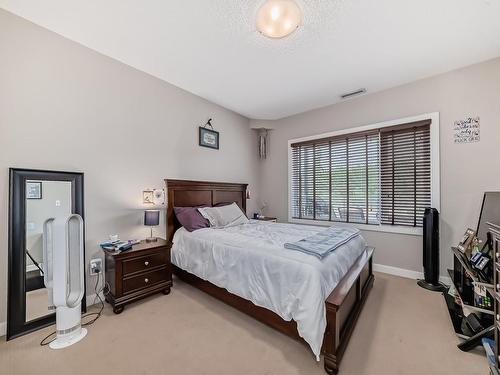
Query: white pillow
point(224, 216)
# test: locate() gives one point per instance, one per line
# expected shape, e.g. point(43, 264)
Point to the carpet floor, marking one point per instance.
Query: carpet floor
point(403, 329)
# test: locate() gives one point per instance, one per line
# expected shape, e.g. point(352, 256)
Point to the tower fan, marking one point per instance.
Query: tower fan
point(64, 276)
point(431, 251)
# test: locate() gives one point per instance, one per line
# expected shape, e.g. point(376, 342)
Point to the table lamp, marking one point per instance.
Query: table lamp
point(151, 219)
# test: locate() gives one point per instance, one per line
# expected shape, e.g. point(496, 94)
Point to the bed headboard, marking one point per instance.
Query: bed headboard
point(182, 193)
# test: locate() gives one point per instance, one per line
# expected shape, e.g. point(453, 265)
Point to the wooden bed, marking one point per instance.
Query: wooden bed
point(343, 305)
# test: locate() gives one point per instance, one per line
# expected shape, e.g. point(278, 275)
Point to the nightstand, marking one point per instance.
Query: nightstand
point(267, 218)
point(143, 270)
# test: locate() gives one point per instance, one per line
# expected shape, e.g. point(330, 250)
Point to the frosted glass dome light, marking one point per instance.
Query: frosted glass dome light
point(278, 18)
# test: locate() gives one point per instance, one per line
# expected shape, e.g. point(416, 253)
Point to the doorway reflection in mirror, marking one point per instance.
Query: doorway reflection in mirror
point(55, 201)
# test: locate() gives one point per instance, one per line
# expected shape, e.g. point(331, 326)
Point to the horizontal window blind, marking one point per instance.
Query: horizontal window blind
point(337, 179)
point(405, 174)
point(376, 177)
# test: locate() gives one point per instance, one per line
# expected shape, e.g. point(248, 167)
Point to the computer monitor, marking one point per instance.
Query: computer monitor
point(490, 213)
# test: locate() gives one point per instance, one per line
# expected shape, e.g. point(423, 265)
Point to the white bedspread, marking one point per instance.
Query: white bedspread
point(250, 261)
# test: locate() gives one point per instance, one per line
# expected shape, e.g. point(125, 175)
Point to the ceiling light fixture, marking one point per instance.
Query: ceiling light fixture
point(278, 18)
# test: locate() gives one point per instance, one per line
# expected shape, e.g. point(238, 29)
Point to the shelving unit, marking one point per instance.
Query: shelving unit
point(456, 311)
point(468, 306)
point(495, 232)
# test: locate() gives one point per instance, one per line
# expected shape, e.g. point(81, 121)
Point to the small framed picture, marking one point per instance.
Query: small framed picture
point(208, 138)
point(159, 197)
point(147, 197)
point(466, 241)
point(33, 190)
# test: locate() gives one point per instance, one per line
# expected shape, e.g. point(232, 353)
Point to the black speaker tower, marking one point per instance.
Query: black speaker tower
point(431, 251)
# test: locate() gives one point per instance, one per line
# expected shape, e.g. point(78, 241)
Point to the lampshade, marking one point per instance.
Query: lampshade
point(152, 217)
point(278, 18)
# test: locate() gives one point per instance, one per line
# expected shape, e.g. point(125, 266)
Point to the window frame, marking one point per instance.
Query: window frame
point(435, 173)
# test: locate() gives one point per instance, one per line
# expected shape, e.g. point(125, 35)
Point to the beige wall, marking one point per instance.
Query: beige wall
point(467, 170)
point(65, 107)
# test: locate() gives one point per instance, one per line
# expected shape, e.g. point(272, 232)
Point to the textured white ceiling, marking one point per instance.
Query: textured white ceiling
point(211, 47)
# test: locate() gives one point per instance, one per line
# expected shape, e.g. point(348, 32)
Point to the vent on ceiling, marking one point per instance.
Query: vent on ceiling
point(354, 93)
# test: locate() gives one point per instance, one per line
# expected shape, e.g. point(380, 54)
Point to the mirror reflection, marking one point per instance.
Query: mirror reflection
point(44, 200)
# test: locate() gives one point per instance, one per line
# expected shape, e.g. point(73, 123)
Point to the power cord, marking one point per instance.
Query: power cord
point(43, 343)
point(105, 290)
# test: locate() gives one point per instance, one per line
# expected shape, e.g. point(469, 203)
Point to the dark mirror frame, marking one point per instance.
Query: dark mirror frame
point(16, 298)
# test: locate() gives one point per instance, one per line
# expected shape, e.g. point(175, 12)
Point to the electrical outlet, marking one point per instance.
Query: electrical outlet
point(95, 266)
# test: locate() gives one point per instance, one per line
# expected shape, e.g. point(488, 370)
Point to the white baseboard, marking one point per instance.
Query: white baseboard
point(3, 328)
point(409, 274)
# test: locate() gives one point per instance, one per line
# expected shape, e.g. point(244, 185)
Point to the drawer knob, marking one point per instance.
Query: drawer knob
point(146, 263)
point(498, 316)
point(146, 280)
point(498, 287)
point(498, 255)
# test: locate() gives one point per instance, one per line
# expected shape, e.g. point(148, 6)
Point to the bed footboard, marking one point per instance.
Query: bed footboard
point(343, 308)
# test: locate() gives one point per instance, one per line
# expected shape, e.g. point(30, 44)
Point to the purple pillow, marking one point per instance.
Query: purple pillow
point(190, 218)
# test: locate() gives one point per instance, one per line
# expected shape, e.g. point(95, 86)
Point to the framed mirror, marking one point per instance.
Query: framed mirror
point(35, 196)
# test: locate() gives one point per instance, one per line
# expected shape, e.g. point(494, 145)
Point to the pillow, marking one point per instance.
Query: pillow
point(220, 204)
point(224, 216)
point(190, 218)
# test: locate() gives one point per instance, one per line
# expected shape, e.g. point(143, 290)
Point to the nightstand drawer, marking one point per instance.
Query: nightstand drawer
point(144, 280)
point(144, 263)
point(143, 270)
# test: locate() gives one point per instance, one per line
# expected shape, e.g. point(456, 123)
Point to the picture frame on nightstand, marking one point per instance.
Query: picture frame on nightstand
point(466, 241)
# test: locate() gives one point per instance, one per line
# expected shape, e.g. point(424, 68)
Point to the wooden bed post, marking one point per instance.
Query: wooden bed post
point(331, 339)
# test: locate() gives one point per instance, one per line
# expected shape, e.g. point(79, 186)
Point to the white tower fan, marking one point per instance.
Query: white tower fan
point(64, 276)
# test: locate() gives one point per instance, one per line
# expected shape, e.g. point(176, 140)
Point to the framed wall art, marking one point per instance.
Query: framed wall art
point(33, 190)
point(208, 137)
point(147, 197)
point(159, 197)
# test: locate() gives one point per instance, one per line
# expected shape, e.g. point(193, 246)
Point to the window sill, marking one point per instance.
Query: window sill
point(371, 228)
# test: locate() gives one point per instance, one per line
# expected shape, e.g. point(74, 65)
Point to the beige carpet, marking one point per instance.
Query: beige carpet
point(402, 330)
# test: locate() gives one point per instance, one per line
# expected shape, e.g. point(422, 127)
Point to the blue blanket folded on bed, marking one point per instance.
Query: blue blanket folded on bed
point(323, 243)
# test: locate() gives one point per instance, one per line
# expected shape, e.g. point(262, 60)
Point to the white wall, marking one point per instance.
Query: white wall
point(467, 170)
point(65, 107)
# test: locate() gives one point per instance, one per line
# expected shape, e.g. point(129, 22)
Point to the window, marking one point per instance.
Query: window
point(378, 176)
point(405, 174)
